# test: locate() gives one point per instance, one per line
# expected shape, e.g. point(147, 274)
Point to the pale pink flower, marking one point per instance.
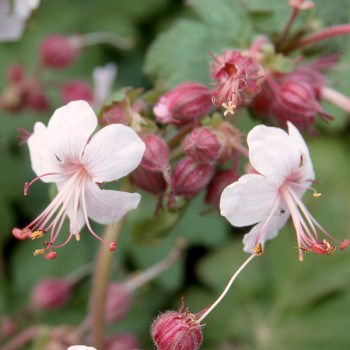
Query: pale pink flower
point(273, 194)
point(13, 17)
point(65, 153)
point(81, 347)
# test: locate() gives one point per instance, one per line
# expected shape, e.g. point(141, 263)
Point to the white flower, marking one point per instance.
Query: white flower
point(81, 347)
point(13, 19)
point(65, 153)
point(103, 78)
point(268, 198)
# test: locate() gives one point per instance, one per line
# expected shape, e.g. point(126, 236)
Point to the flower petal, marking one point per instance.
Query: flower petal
point(69, 130)
point(248, 201)
point(112, 153)
point(103, 78)
point(270, 231)
point(42, 157)
point(273, 153)
point(107, 206)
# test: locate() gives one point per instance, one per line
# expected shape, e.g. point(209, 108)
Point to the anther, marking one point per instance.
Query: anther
point(51, 255)
point(39, 252)
point(112, 246)
point(26, 188)
point(36, 234)
point(258, 249)
point(344, 244)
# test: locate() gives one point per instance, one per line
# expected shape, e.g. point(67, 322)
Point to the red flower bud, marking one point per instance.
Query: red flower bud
point(177, 331)
point(184, 104)
point(122, 341)
point(156, 154)
point(149, 181)
point(15, 73)
point(77, 90)
point(115, 114)
point(118, 301)
point(50, 294)
point(59, 51)
point(189, 176)
point(202, 145)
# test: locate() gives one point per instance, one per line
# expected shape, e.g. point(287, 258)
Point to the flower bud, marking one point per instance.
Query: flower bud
point(202, 145)
point(15, 73)
point(186, 103)
point(7, 327)
point(149, 181)
point(220, 180)
point(77, 90)
point(176, 331)
point(118, 302)
point(122, 341)
point(156, 154)
point(50, 294)
point(59, 51)
point(115, 114)
point(189, 176)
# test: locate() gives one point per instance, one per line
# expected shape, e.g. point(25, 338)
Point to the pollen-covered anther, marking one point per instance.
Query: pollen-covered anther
point(230, 108)
point(46, 243)
point(26, 188)
point(258, 249)
point(112, 246)
point(317, 194)
point(38, 252)
point(36, 234)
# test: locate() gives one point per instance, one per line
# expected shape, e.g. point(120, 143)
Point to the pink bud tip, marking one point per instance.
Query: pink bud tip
point(51, 255)
point(344, 244)
point(18, 233)
point(112, 246)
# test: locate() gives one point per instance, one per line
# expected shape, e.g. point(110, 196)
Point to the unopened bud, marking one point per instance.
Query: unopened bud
point(184, 104)
point(59, 51)
point(202, 145)
point(77, 90)
point(189, 176)
point(177, 331)
point(50, 294)
point(122, 341)
point(118, 302)
point(156, 154)
point(149, 181)
point(15, 73)
point(115, 114)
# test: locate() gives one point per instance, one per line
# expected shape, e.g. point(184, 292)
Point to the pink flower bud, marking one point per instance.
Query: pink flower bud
point(50, 294)
point(118, 302)
point(115, 114)
point(7, 327)
point(59, 51)
point(77, 90)
point(177, 331)
point(202, 145)
point(220, 180)
point(189, 176)
point(15, 73)
point(184, 104)
point(149, 181)
point(122, 341)
point(156, 154)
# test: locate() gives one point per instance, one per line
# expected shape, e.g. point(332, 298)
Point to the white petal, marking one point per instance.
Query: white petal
point(23, 8)
point(81, 347)
point(70, 128)
point(270, 231)
point(112, 153)
point(11, 27)
point(42, 157)
point(107, 206)
point(273, 153)
point(248, 201)
point(103, 78)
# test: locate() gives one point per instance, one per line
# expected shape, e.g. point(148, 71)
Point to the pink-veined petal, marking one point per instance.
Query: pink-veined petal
point(42, 157)
point(270, 231)
point(273, 153)
point(112, 153)
point(248, 200)
point(69, 130)
point(107, 206)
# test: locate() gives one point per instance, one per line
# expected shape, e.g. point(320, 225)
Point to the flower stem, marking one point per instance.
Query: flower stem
point(320, 35)
point(287, 27)
point(212, 307)
point(336, 98)
point(22, 338)
point(100, 283)
point(108, 38)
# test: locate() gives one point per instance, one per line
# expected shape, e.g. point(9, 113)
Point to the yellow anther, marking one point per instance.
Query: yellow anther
point(230, 108)
point(37, 234)
point(317, 194)
point(258, 249)
point(39, 252)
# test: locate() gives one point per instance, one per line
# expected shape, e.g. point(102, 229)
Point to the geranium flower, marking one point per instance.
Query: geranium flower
point(273, 194)
point(65, 153)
